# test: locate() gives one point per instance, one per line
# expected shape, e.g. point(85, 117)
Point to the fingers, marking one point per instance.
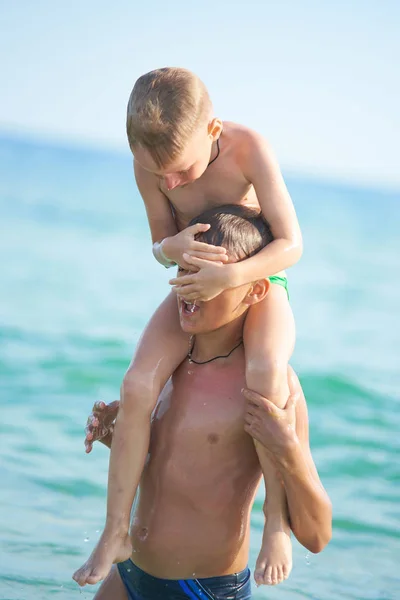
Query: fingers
point(213, 256)
point(184, 280)
point(197, 262)
point(207, 248)
point(187, 292)
point(189, 296)
point(257, 399)
point(113, 406)
point(292, 400)
point(197, 228)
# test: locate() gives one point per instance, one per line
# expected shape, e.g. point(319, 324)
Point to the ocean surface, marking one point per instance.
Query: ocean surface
point(78, 283)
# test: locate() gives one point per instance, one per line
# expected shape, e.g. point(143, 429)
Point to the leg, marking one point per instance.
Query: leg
point(161, 349)
point(269, 340)
point(112, 587)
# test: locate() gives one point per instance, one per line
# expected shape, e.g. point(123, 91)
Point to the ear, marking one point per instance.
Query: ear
point(257, 292)
point(215, 128)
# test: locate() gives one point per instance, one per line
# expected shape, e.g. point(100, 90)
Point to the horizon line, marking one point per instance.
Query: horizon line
point(103, 146)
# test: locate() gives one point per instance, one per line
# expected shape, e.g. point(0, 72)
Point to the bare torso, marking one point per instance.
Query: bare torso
point(222, 183)
point(201, 476)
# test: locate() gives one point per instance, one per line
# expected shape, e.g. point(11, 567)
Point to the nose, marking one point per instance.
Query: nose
point(172, 181)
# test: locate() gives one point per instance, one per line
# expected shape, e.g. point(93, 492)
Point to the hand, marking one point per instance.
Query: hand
point(273, 427)
point(100, 423)
point(184, 243)
point(210, 279)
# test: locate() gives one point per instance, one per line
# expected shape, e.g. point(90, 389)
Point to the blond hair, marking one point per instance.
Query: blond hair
point(165, 109)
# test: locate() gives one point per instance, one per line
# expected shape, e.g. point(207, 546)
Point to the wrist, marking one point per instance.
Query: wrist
point(289, 454)
point(161, 251)
point(166, 248)
point(231, 274)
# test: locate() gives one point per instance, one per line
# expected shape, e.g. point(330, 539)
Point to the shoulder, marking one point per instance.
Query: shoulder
point(249, 146)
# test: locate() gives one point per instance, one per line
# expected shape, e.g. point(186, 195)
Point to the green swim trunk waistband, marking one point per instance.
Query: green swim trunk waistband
point(280, 281)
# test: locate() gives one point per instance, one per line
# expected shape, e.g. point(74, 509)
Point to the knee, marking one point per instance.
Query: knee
point(138, 392)
point(267, 368)
point(269, 378)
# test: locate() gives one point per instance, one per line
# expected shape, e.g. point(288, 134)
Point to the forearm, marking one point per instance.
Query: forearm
point(275, 257)
point(310, 510)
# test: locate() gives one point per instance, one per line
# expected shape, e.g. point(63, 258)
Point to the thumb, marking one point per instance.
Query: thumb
point(198, 228)
point(292, 401)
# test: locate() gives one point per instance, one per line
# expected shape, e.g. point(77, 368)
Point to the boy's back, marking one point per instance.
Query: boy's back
point(198, 485)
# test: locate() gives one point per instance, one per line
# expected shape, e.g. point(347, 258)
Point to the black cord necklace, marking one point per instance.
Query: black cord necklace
point(196, 362)
point(215, 157)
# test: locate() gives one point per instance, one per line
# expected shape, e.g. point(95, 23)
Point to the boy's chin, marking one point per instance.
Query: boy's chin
point(193, 326)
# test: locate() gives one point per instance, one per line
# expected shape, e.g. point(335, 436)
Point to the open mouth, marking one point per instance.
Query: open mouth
point(189, 308)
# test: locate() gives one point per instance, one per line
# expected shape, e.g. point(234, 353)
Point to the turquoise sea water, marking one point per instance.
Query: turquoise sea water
point(78, 282)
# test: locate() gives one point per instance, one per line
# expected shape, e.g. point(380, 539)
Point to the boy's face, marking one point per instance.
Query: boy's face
point(209, 316)
point(191, 164)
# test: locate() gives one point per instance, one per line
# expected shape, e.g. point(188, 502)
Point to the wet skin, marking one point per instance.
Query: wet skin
point(202, 472)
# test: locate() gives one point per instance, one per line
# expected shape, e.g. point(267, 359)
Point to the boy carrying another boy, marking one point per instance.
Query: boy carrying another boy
point(191, 524)
point(187, 161)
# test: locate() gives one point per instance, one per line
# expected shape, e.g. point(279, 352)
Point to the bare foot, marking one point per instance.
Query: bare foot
point(100, 423)
point(111, 548)
point(274, 562)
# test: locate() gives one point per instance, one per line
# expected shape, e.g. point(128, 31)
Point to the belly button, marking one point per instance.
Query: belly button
point(213, 438)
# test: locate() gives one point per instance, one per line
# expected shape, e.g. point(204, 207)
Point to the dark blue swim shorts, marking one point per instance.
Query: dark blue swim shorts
point(141, 586)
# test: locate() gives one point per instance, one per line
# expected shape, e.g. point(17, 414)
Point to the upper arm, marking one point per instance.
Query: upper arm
point(302, 428)
point(158, 209)
point(261, 169)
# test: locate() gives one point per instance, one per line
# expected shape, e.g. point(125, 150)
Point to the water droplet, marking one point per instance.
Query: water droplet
point(129, 570)
point(86, 539)
point(97, 530)
point(307, 559)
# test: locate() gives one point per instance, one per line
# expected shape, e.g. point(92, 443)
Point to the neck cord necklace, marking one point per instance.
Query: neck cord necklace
point(196, 362)
point(215, 157)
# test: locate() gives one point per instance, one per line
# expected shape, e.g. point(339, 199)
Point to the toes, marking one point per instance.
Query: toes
point(274, 579)
point(268, 576)
point(95, 576)
point(285, 572)
point(279, 574)
point(259, 575)
point(80, 577)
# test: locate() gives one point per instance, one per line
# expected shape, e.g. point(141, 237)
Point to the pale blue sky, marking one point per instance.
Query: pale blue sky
point(320, 79)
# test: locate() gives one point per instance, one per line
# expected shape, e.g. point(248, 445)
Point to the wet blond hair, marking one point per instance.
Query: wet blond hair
point(165, 109)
